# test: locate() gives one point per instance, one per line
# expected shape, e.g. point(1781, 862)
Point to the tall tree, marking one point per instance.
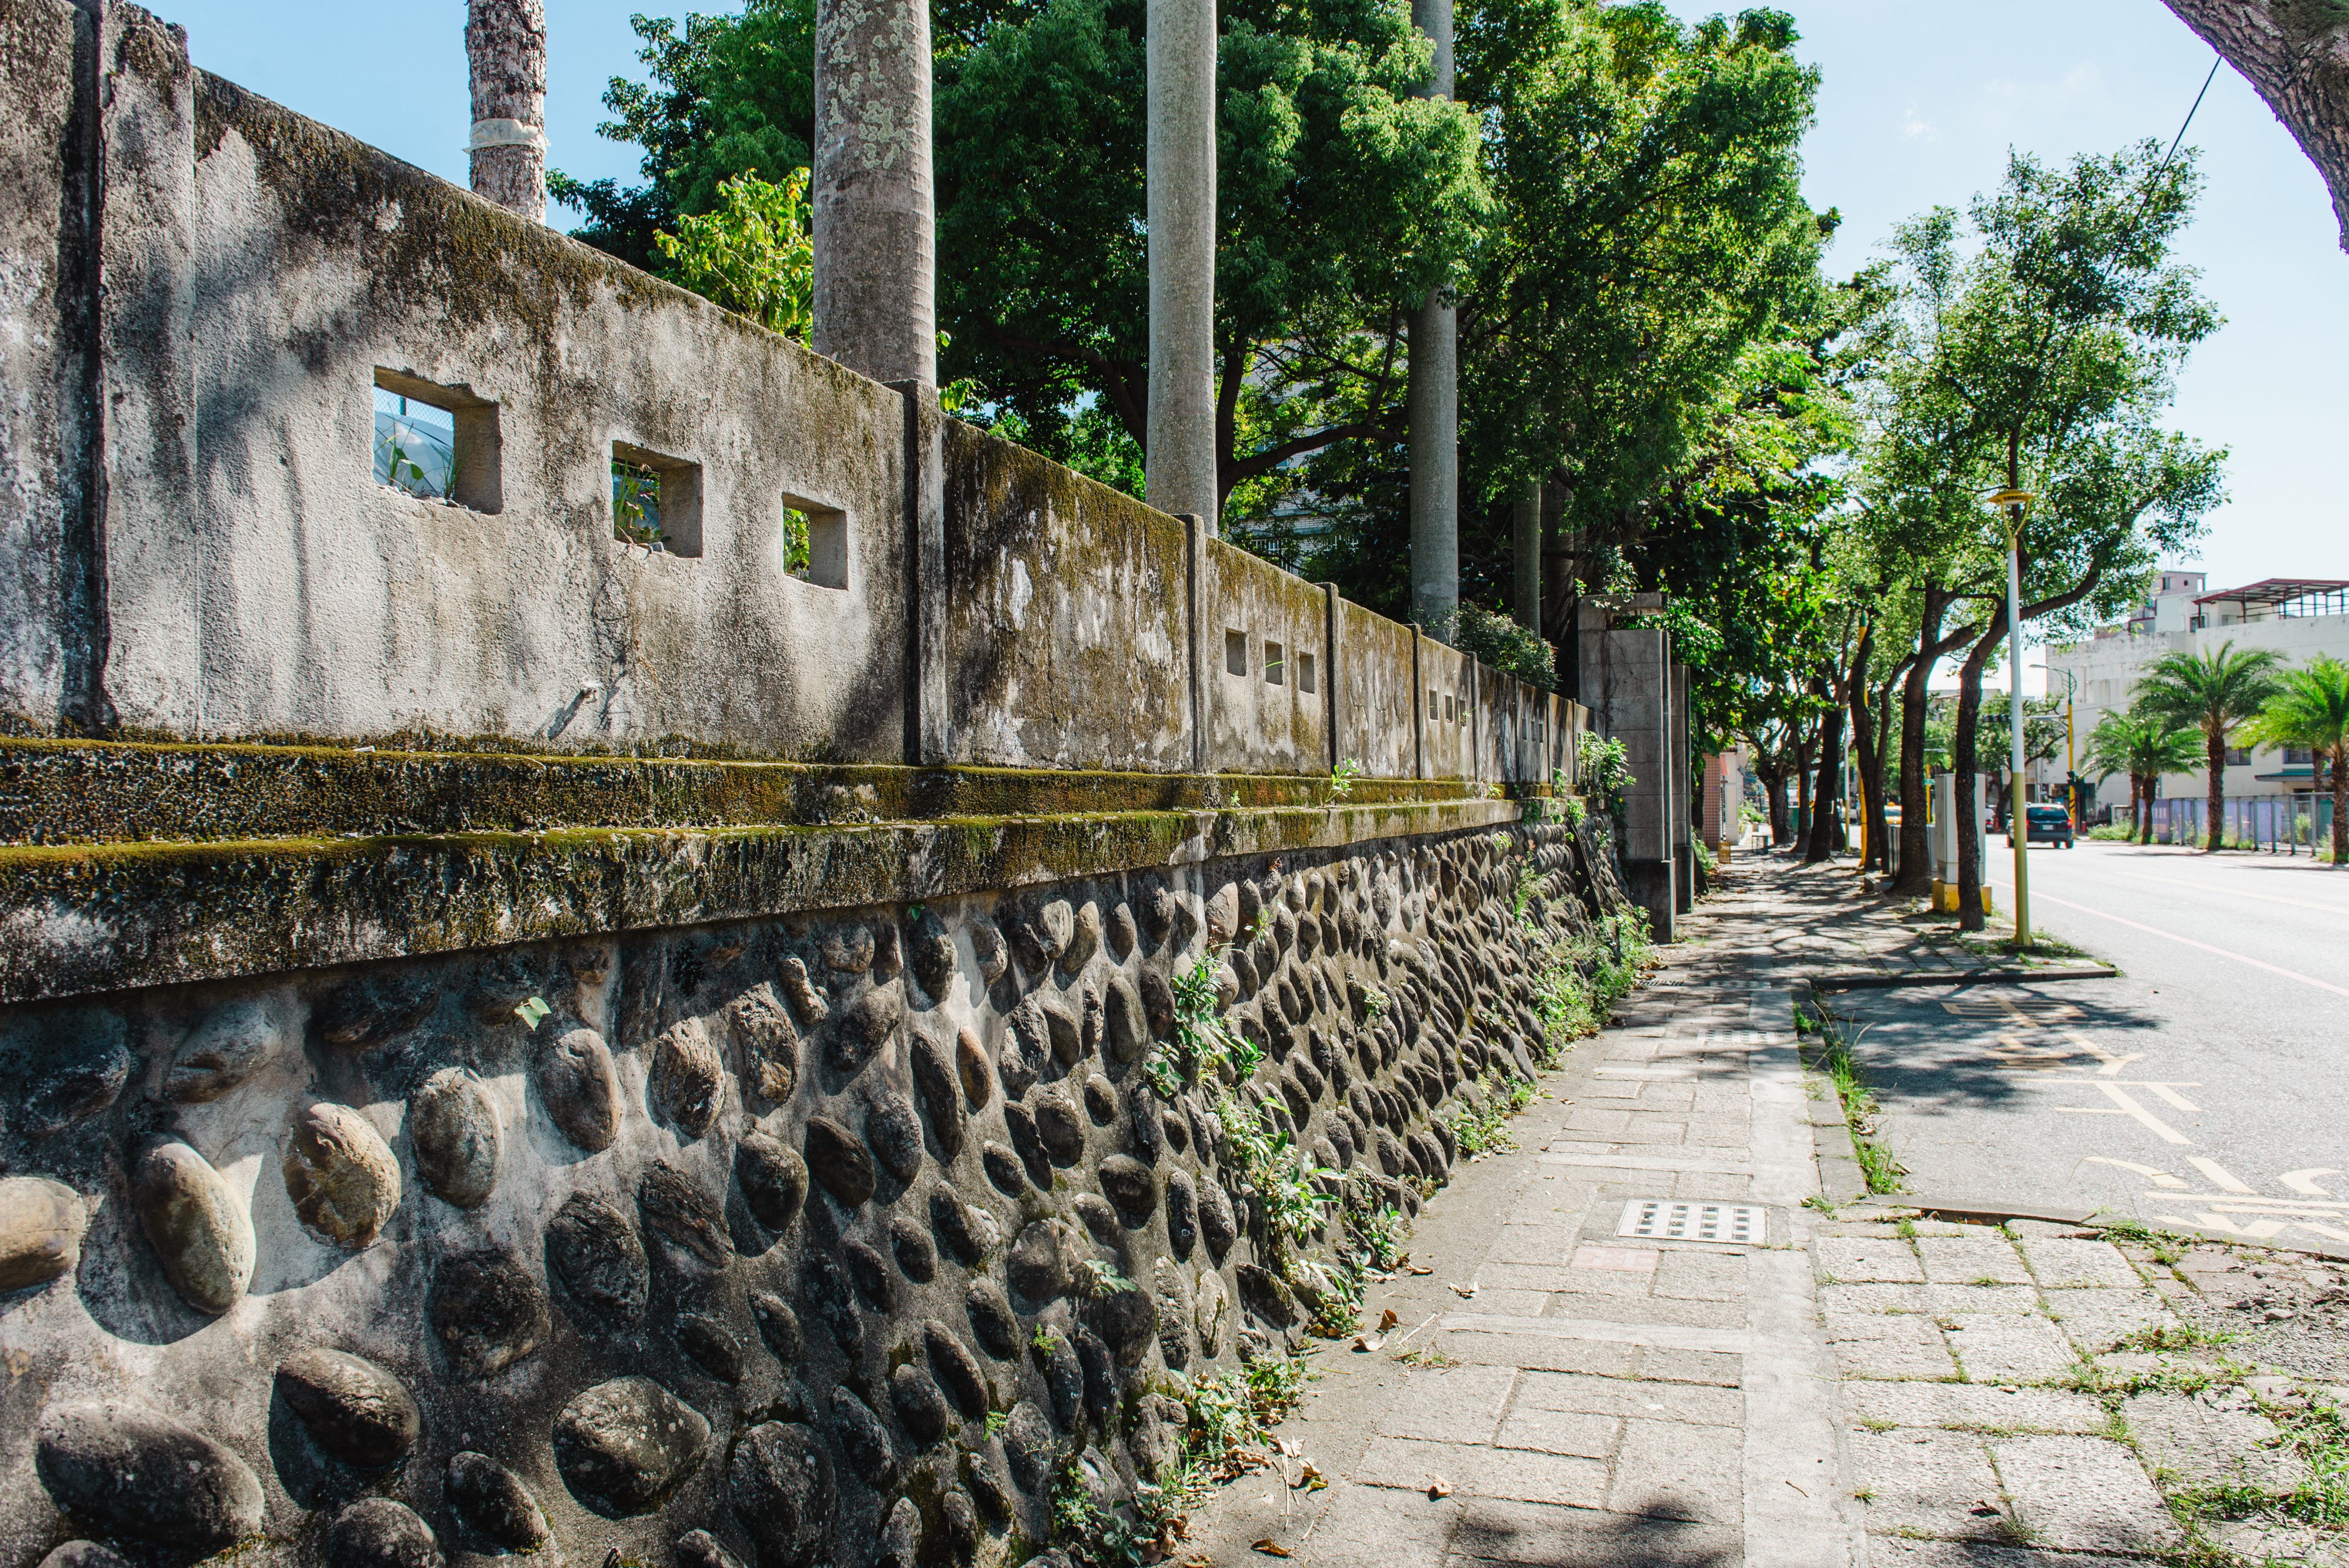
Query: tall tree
point(2295, 55)
point(2310, 708)
point(2036, 353)
point(2212, 691)
point(875, 223)
point(505, 57)
point(2146, 747)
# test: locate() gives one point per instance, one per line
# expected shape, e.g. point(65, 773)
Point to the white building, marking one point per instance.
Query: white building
point(2297, 618)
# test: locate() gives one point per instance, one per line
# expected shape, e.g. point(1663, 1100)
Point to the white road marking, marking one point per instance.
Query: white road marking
point(2173, 936)
point(2267, 1205)
point(2125, 1104)
point(2162, 1177)
point(2219, 1176)
point(2238, 892)
point(2305, 1181)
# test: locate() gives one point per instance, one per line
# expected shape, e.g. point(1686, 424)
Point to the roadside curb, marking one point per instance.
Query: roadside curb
point(1870, 980)
point(1995, 1212)
point(1839, 1168)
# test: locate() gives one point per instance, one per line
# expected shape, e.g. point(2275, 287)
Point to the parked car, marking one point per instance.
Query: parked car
point(2047, 824)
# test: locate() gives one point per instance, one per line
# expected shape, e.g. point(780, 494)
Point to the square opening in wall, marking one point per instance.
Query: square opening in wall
point(1236, 653)
point(1431, 707)
point(1273, 674)
point(436, 443)
point(815, 544)
point(1305, 673)
point(656, 501)
point(1447, 707)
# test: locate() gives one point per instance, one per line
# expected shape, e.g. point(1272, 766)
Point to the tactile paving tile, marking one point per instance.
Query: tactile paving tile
point(1664, 1219)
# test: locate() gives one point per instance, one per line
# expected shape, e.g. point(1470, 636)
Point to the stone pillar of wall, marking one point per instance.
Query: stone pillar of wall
point(1628, 683)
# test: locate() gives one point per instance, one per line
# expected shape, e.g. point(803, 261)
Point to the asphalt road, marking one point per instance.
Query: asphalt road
point(2207, 1085)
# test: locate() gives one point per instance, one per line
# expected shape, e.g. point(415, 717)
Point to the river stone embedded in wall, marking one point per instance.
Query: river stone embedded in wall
point(1031, 1446)
point(773, 1179)
point(848, 949)
point(1003, 1168)
point(376, 1532)
point(969, 1231)
point(870, 1272)
point(780, 1483)
point(934, 1081)
point(681, 1214)
point(960, 1519)
point(970, 1065)
point(893, 1133)
point(1211, 1312)
point(1181, 1213)
point(1174, 1314)
point(1083, 939)
point(41, 1226)
point(1063, 1028)
point(1122, 934)
point(342, 1177)
point(197, 1225)
point(1128, 1022)
point(954, 1367)
point(623, 1447)
point(1038, 1265)
point(932, 956)
point(579, 1087)
point(84, 1555)
point(1217, 1224)
point(865, 1027)
point(1021, 1123)
point(992, 1319)
point(493, 1508)
point(1058, 1130)
point(1126, 1321)
point(779, 1326)
point(1157, 1004)
point(888, 957)
point(806, 1000)
point(711, 1345)
point(144, 1476)
point(224, 1051)
point(1127, 1183)
point(765, 1042)
point(825, 1283)
point(901, 1536)
point(371, 1011)
point(986, 946)
point(1097, 1217)
point(353, 1410)
point(1101, 1101)
point(863, 1441)
point(921, 1408)
point(487, 1311)
point(452, 1125)
point(838, 1158)
point(688, 1080)
point(1012, 1063)
point(1243, 969)
point(593, 1249)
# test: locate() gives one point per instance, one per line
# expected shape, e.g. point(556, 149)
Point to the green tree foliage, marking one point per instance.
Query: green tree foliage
point(753, 254)
point(2310, 707)
point(728, 95)
point(2144, 745)
point(2211, 691)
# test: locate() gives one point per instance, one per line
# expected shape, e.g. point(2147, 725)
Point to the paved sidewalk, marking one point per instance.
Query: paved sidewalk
point(1555, 1393)
point(1871, 1388)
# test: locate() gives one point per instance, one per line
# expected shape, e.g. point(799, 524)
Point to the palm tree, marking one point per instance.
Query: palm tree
point(2212, 691)
point(2144, 746)
point(2310, 708)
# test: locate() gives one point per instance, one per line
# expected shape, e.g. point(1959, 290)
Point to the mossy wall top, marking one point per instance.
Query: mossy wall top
point(246, 571)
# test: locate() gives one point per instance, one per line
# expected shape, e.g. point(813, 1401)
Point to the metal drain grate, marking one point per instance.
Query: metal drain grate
point(1660, 1220)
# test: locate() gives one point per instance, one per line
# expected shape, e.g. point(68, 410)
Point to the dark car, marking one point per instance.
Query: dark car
point(2046, 825)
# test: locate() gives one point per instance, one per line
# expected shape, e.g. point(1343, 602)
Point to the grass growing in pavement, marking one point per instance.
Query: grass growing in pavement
point(1830, 1053)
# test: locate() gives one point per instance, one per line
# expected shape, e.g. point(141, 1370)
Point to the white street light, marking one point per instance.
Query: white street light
point(2012, 502)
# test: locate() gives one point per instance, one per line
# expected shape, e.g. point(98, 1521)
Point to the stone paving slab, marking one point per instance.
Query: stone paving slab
point(2184, 1437)
point(2084, 1494)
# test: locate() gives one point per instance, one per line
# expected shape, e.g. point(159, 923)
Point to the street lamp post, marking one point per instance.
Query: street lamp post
point(2018, 821)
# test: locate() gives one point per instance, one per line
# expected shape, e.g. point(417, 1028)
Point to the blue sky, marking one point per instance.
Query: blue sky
point(1919, 104)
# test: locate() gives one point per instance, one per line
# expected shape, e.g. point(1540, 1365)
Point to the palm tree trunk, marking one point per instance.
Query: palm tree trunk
point(875, 227)
point(505, 55)
point(2340, 805)
point(2215, 754)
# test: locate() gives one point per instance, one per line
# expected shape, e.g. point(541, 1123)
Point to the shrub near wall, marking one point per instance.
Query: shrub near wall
point(863, 1236)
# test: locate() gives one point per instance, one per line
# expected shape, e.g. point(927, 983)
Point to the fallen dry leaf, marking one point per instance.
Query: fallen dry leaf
point(1387, 1320)
point(1422, 1268)
point(1438, 1487)
point(1309, 1477)
point(1269, 1548)
point(1459, 1289)
point(1288, 1446)
point(1369, 1342)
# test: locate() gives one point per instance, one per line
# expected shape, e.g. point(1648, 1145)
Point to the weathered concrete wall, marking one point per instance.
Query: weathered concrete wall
point(1263, 647)
point(1378, 697)
point(1637, 695)
point(843, 1207)
point(1448, 711)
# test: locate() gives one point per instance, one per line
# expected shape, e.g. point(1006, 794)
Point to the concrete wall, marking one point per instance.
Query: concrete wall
point(1378, 693)
point(1637, 695)
point(266, 275)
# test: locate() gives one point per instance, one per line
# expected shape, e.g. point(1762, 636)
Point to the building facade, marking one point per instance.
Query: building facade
point(2296, 617)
